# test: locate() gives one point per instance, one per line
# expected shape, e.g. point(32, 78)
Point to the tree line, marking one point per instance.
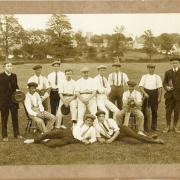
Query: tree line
point(59, 41)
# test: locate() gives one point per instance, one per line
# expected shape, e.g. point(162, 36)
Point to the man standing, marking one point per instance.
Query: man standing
point(85, 91)
point(117, 80)
point(8, 85)
point(132, 103)
point(43, 85)
point(171, 85)
point(35, 109)
point(151, 87)
point(67, 97)
point(85, 133)
point(103, 90)
point(54, 79)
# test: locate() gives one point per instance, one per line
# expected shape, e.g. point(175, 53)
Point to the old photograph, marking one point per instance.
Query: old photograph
point(89, 89)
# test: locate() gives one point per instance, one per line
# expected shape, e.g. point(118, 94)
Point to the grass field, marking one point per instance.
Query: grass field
point(120, 152)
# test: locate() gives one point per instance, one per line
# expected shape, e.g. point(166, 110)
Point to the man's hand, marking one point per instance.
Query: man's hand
point(40, 115)
point(85, 141)
point(169, 88)
point(109, 141)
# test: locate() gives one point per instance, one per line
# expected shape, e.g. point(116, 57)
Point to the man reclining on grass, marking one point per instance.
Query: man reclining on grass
point(84, 133)
point(108, 131)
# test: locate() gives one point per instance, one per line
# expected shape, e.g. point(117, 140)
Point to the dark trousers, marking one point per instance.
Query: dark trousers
point(57, 138)
point(54, 101)
point(116, 96)
point(172, 105)
point(152, 103)
point(128, 132)
point(4, 119)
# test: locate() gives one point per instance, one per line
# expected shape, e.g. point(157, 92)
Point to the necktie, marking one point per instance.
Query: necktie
point(38, 80)
point(117, 79)
point(105, 129)
point(85, 132)
point(103, 81)
point(56, 79)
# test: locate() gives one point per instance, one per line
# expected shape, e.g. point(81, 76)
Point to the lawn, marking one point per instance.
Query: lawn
point(120, 152)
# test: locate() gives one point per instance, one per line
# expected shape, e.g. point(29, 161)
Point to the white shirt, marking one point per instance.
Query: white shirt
point(82, 132)
point(85, 85)
point(33, 100)
point(67, 87)
point(110, 128)
point(151, 82)
point(102, 89)
point(118, 79)
point(175, 69)
point(52, 79)
point(41, 81)
point(135, 94)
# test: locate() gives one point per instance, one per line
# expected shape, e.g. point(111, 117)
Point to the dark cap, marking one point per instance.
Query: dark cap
point(56, 62)
point(131, 83)
point(100, 112)
point(32, 84)
point(117, 64)
point(37, 67)
point(65, 110)
point(175, 59)
point(151, 65)
point(90, 116)
point(18, 96)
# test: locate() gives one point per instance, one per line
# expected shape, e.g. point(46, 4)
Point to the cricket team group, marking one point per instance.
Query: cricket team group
point(100, 109)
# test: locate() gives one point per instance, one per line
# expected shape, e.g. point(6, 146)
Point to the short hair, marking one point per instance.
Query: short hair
point(68, 70)
point(7, 62)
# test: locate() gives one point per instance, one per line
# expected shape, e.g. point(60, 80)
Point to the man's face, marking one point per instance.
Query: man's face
point(85, 74)
point(151, 70)
point(101, 117)
point(102, 71)
point(131, 88)
point(117, 68)
point(8, 67)
point(38, 71)
point(56, 67)
point(69, 74)
point(175, 63)
point(88, 122)
point(32, 89)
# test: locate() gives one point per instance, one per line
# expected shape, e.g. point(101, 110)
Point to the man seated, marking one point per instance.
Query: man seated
point(132, 103)
point(84, 133)
point(108, 131)
point(35, 109)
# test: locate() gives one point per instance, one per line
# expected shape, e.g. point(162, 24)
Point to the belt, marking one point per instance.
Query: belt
point(85, 92)
point(64, 94)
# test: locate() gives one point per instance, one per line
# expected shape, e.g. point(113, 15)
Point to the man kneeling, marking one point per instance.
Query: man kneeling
point(108, 131)
point(84, 133)
point(36, 111)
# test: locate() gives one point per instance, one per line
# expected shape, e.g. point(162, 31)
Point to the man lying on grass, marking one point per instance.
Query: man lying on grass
point(84, 133)
point(108, 131)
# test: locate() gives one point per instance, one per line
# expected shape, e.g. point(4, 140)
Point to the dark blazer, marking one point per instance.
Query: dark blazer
point(7, 89)
point(172, 79)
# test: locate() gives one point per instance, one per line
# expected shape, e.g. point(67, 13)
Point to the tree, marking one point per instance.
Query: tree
point(149, 46)
point(59, 30)
point(11, 33)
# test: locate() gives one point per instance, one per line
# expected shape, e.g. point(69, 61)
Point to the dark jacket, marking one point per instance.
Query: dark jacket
point(8, 85)
point(172, 79)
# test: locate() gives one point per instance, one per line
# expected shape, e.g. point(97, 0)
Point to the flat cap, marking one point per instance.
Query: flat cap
point(37, 67)
point(131, 83)
point(100, 112)
point(56, 62)
point(116, 64)
point(102, 67)
point(151, 65)
point(90, 116)
point(85, 69)
point(32, 84)
point(175, 59)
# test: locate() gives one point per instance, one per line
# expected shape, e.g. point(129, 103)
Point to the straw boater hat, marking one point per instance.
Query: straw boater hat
point(85, 69)
point(65, 110)
point(18, 96)
point(117, 64)
point(56, 62)
point(37, 67)
point(102, 67)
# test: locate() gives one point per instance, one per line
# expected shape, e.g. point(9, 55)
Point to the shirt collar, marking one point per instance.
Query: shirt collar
point(8, 74)
point(175, 69)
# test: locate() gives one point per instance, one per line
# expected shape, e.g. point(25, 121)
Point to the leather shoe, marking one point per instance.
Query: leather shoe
point(5, 139)
point(155, 129)
point(176, 130)
point(166, 130)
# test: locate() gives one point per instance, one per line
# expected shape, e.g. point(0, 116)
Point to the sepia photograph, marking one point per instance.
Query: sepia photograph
point(94, 89)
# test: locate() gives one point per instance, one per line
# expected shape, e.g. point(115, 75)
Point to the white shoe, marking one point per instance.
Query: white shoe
point(46, 140)
point(29, 141)
point(141, 133)
point(63, 127)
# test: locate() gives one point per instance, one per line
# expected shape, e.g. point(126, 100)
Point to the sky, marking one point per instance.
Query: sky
point(134, 24)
